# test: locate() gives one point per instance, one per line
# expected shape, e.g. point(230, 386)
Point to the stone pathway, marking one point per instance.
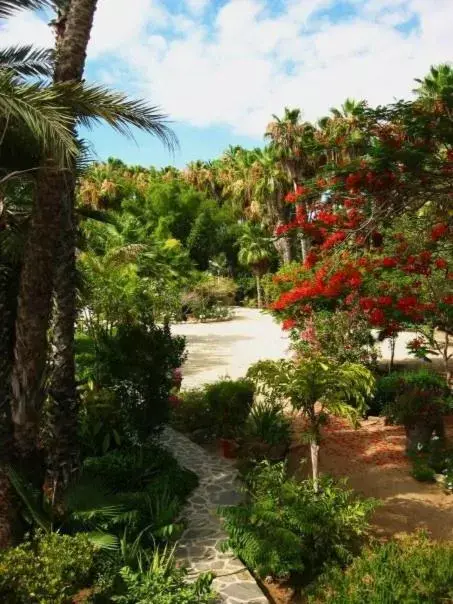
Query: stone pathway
point(199, 546)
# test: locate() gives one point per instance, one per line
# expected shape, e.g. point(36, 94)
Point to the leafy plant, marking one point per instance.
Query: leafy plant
point(420, 393)
point(286, 527)
point(317, 387)
point(217, 410)
point(49, 569)
point(161, 582)
point(410, 570)
point(268, 423)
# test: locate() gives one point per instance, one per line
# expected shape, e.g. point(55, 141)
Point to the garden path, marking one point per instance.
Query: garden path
point(199, 546)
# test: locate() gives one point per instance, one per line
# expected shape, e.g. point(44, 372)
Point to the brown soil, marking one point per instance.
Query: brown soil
point(373, 460)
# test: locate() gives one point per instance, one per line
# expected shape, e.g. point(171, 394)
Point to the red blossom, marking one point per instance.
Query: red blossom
point(438, 231)
point(441, 263)
point(333, 240)
point(384, 301)
point(388, 262)
point(288, 324)
point(377, 316)
point(367, 303)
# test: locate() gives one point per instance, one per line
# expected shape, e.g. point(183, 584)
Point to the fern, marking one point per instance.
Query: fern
point(286, 527)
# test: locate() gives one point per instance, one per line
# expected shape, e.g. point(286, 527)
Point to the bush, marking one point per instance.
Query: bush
point(136, 363)
point(209, 298)
point(50, 569)
point(163, 583)
point(414, 394)
point(217, 410)
point(286, 528)
point(268, 423)
point(152, 468)
point(409, 571)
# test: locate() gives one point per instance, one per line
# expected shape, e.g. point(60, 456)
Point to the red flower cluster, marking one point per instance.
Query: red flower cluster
point(288, 324)
point(438, 231)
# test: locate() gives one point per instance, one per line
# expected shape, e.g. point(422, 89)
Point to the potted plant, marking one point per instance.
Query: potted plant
point(267, 432)
point(420, 401)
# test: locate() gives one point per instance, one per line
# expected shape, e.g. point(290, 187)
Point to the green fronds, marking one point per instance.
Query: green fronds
point(27, 61)
point(93, 103)
point(9, 7)
point(41, 111)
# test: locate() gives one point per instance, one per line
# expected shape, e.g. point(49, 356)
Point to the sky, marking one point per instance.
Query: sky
point(221, 68)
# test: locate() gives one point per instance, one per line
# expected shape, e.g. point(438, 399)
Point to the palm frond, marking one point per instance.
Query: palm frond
point(93, 103)
point(30, 498)
point(27, 60)
point(104, 541)
point(41, 111)
point(9, 7)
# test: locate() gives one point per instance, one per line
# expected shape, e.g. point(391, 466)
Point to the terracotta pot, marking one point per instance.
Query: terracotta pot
point(228, 448)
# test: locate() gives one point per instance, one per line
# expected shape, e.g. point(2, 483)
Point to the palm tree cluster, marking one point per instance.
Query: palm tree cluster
point(43, 99)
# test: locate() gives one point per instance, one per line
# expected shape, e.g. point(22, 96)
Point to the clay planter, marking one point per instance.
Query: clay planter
point(228, 448)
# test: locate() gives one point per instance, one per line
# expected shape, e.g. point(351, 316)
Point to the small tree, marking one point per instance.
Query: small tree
point(317, 388)
point(254, 253)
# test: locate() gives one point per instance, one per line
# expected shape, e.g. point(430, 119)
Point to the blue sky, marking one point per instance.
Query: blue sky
point(221, 68)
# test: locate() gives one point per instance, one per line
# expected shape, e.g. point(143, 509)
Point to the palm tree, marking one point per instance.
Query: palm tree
point(317, 388)
point(55, 189)
point(294, 143)
point(270, 184)
point(254, 253)
point(436, 89)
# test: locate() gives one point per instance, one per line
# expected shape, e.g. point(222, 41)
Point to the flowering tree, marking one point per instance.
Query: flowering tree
point(357, 262)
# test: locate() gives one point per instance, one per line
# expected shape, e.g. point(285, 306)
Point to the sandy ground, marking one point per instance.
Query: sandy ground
point(228, 348)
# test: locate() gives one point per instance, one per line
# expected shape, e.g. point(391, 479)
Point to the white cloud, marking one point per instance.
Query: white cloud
point(26, 28)
point(248, 63)
point(197, 6)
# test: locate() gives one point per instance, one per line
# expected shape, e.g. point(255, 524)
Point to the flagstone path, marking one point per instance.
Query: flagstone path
point(199, 546)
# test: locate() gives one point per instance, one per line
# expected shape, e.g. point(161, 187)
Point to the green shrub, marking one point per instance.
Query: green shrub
point(47, 570)
point(136, 364)
point(408, 571)
point(194, 413)
point(133, 469)
point(421, 471)
point(285, 527)
point(163, 583)
point(267, 422)
point(210, 298)
point(217, 410)
point(414, 394)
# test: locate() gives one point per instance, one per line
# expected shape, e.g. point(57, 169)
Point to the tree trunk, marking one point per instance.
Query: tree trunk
point(62, 452)
point(258, 291)
point(8, 293)
point(314, 454)
point(33, 312)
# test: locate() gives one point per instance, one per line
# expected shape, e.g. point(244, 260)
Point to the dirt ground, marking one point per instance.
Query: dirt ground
point(373, 460)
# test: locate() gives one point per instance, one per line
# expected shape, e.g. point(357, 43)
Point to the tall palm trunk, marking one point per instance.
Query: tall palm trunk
point(62, 454)
point(33, 313)
point(8, 279)
point(37, 279)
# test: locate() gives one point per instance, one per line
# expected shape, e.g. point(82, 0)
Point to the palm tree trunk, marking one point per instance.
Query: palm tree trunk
point(258, 291)
point(8, 278)
point(33, 313)
point(62, 454)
